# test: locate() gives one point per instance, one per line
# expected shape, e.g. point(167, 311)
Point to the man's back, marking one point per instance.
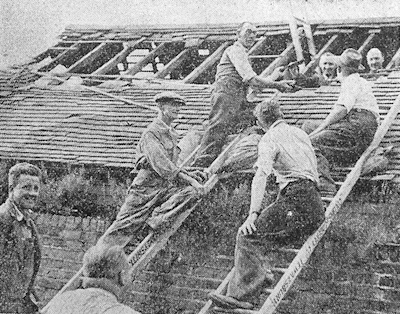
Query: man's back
point(88, 301)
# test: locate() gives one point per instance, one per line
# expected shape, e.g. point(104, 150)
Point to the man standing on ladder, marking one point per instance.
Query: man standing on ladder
point(228, 99)
point(297, 212)
point(160, 184)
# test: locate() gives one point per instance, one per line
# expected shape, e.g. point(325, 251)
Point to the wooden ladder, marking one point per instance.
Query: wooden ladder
point(156, 240)
point(277, 293)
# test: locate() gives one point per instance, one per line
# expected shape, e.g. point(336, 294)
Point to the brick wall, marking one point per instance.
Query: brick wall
point(350, 272)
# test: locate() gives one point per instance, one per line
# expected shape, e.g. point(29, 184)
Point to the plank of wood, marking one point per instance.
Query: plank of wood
point(88, 58)
point(296, 39)
point(174, 63)
point(62, 56)
point(394, 60)
point(206, 64)
point(367, 43)
point(147, 59)
point(281, 60)
point(110, 64)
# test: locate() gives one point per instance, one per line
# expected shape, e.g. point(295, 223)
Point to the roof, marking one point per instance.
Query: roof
point(78, 125)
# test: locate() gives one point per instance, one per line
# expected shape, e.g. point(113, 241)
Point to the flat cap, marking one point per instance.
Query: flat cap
point(350, 58)
point(168, 95)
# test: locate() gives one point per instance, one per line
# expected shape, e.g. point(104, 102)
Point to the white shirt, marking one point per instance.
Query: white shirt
point(356, 93)
point(287, 151)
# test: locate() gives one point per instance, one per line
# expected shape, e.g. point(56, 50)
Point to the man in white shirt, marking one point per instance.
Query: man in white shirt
point(287, 152)
point(351, 125)
point(228, 112)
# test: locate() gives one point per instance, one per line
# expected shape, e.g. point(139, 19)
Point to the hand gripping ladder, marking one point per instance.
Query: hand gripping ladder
point(156, 240)
point(277, 293)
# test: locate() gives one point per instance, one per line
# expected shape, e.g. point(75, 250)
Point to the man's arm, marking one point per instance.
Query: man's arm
point(338, 113)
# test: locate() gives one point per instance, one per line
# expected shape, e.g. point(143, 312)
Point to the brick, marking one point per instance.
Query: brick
point(50, 283)
point(71, 234)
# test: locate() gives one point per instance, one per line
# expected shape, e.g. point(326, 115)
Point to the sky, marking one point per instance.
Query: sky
point(28, 27)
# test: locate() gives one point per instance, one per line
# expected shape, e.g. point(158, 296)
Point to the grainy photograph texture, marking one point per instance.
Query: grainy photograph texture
point(164, 157)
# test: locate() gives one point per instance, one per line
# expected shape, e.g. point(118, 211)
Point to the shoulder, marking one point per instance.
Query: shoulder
point(5, 217)
point(121, 309)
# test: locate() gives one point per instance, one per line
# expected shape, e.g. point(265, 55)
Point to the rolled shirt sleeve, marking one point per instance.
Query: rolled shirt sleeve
point(267, 151)
point(240, 60)
point(158, 157)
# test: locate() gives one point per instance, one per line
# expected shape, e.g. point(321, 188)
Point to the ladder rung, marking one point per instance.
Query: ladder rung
point(339, 183)
point(288, 250)
point(280, 270)
point(326, 198)
point(238, 311)
point(264, 56)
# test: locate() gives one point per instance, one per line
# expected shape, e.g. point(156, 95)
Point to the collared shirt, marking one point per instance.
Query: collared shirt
point(157, 152)
point(356, 93)
point(98, 296)
point(287, 151)
point(19, 255)
point(235, 63)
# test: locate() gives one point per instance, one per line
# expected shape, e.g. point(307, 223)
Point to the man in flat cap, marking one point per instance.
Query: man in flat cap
point(375, 60)
point(19, 240)
point(159, 184)
point(106, 273)
point(228, 100)
point(350, 127)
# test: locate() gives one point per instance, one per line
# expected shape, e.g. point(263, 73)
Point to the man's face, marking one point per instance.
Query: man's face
point(328, 68)
point(171, 109)
point(247, 36)
point(375, 61)
point(25, 194)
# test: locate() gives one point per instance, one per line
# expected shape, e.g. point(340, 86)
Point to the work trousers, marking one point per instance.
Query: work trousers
point(230, 113)
point(145, 204)
point(342, 143)
point(296, 213)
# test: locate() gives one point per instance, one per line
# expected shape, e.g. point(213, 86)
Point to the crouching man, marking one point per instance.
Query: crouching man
point(19, 241)
point(105, 270)
point(297, 212)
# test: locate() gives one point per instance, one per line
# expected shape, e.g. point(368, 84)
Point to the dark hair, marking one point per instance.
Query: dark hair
point(19, 169)
point(268, 111)
point(104, 261)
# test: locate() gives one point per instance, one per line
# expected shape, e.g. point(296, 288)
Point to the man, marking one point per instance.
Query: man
point(19, 240)
point(298, 210)
point(160, 184)
point(105, 270)
point(327, 68)
point(375, 60)
point(228, 100)
point(351, 125)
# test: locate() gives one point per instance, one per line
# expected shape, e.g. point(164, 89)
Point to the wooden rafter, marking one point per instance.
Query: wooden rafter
point(283, 58)
point(174, 63)
point(61, 56)
point(88, 58)
point(110, 64)
point(258, 45)
point(206, 64)
point(296, 39)
point(367, 42)
point(146, 59)
point(394, 60)
point(310, 66)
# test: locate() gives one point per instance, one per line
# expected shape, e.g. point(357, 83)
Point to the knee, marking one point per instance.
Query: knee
point(309, 126)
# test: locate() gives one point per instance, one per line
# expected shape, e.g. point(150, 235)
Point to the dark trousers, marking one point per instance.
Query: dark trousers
point(230, 113)
point(296, 213)
point(342, 143)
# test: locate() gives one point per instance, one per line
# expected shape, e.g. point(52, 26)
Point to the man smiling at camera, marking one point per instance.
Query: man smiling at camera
point(19, 240)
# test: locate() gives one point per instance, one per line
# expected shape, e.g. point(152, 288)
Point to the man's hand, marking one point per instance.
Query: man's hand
point(285, 86)
point(277, 73)
point(198, 175)
point(248, 226)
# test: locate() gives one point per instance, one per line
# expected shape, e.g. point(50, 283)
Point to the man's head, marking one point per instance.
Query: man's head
point(349, 62)
point(327, 65)
point(267, 112)
point(24, 181)
point(104, 261)
point(169, 104)
point(375, 59)
point(246, 34)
